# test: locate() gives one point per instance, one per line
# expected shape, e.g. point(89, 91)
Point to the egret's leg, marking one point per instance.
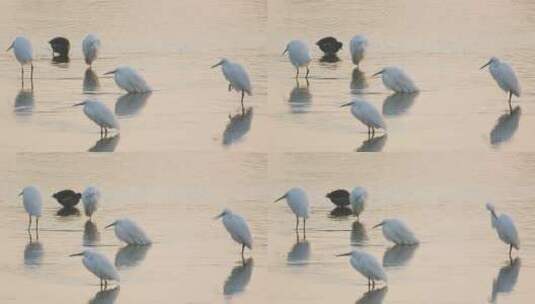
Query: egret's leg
point(242, 250)
point(31, 70)
point(373, 132)
point(369, 283)
point(21, 71)
point(36, 223)
point(105, 132)
point(297, 74)
point(510, 251)
point(308, 71)
point(229, 87)
point(296, 223)
point(510, 96)
point(304, 224)
point(101, 284)
point(105, 284)
point(373, 284)
point(242, 107)
point(30, 222)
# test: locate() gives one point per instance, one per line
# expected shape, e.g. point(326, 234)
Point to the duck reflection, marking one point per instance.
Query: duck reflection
point(105, 144)
point(398, 255)
point(61, 61)
point(300, 97)
point(398, 103)
point(107, 296)
point(68, 211)
point(237, 127)
point(358, 81)
point(505, 127)
point(375, 296)
point(340, 212)
point(358, 233)
point(506, 280)
point(33, 252)
point(300, 252)
point(130, 256)
point(91, 234)
point(329, 58)
point(239, 278)
point(130, 104)
point(24, 102)
point(91, 82)
point(374, 144)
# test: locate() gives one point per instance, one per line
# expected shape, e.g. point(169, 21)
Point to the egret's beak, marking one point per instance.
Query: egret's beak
point(78, 104)
point(284, 196)
point(481, 68)
point(110, 225)
point(21, 193)
point(285, 50)
point(378, 73)
point(219, 216)
point(76, 254)
point(10, 47)
point(344, 254)
point(346, 104)
point(110, 72)
point(378, 225)
point(217, 64)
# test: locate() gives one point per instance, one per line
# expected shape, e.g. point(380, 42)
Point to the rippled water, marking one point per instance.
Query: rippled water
point(185, 151)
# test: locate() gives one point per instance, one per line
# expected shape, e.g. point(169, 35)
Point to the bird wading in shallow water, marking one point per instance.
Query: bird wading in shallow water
point(329, 46)
point(99, 265)
point(33, 204)
point(397, 232)
point(60, 49)
point(23, 53)
point(90, 48)
point(91, 200)
point(129, 232)
point(129, 80)
point(505, 77)
point(237, 77)
point(367, 114)
point(397, 80)
point(100, 115)
point(67, 198)
point(357, 48)
point(505, 227)
point(298, 202)
point(367, 265)
point(237, 228)
point(357, 198)
point(299, 55)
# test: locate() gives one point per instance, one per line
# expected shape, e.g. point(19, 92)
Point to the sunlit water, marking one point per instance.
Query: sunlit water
point(185, 152)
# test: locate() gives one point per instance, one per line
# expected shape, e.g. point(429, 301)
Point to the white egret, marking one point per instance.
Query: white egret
point(129, 232)
point(357, 48)
point(90, 48)
point(367, 265)
point(299, 55)
point(237, 228)
point(397, 80)
point(23, 52)
point(366, 113)
point(505, 77)
point(505, 227)
point(339, 198)
point(129, 80)
point(298, 202)
point(67, 198)
point(33, 204)
point(99, 265)
point(99, 114)
point(397, 232)
point(90, 199)
point(357, 198)
point(237, 77)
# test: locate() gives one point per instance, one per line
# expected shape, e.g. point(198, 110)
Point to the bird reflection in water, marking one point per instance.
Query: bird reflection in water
point(24, 102)
point(91, 234)
point(107, 296)
point(91, 82)
point(33, 252)
point(239, 278)
point(398, 103)
point(398, 255)
point(358, 81)
point(358, 233)
point(375, 296)
point(68, 211)
point(300, 97)
point(130, 104)
point(329, 58)
point(299, 254)
point(340, 212)
point(506, 280)
point(130, 256)
point(505, 127)
point(237, 127)
point(106, 144)
point(373, 144)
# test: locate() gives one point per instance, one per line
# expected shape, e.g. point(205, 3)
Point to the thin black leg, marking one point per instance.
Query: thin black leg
point(296, 222)
point(229, 87)
point(308, 71)
point(242, 250)
point(297, 74)
point(304, 224)
point(30, 222)
point(242, 107)
point(36, 224)
point(31, 70)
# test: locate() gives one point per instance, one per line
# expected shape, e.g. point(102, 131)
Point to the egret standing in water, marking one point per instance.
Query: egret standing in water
point(99, 265)
point(505, 227)
point(397, 80)
point(129, 232)
point(357, 198)
point(357, 48)
point(99, 114)
point(299, 55)
point(23, 52)
point(367, 265)
point(237, 228)
point(237, 77)
point(505, 77)
point(298, 202)
point(129, 80)
point(33, 204)
point(90, 199)
point(90, 48)
point(397, 232)
point(366, 113)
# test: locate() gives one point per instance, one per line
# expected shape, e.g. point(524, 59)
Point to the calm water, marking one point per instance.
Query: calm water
point(180, 158)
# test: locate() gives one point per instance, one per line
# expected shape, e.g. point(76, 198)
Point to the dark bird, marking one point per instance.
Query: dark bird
point(60, 48)
point(329, 45)
point(67, 198)
point(339, 197)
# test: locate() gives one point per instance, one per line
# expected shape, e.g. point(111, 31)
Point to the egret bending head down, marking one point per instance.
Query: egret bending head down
point(367, 114)
point(298, 202)
point(237, 77)
point(505, 227)
point(237, 228)
point(33, 204)
point(99, 265)
point(129, 80)
point(367, 265)
point(397, 80)
point(357, 48)
point(505, 77)
point(90, 48)
point(299, 55)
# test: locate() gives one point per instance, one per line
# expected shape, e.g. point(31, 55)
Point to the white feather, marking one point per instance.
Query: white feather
point(398, 232)
point(32, 201)
point(298, 53)
point(237, 228)
point(505, 76)
point(397, 80)
point(90, 48)
point(366, 113)
point(368, 266)
point(100, 114)
point(357, 198)
point(129, 232)
point(23, 50)
point(91, 200)
point(298, 202)
point(99, 265)
point(357, 48)
point(130, 80)
point(236, 75)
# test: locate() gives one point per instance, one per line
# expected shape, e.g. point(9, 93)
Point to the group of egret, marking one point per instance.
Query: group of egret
point(126, 230)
